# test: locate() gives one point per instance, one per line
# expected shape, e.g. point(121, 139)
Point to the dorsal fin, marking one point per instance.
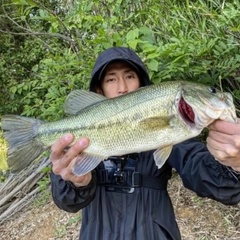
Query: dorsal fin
point(80, 99)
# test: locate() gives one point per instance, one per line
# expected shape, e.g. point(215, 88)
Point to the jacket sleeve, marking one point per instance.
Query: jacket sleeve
point(70, 198)
point(201, 173)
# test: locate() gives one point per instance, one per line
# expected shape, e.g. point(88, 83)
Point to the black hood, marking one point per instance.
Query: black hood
point(118, 53)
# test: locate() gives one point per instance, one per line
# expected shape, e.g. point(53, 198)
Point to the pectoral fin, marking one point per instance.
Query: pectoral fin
point(161, 155)
point(85, 163)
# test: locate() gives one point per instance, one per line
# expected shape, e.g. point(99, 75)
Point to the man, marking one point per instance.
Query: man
point(113, 208)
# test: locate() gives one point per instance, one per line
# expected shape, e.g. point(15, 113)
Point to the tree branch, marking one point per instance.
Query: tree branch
point(58, 35)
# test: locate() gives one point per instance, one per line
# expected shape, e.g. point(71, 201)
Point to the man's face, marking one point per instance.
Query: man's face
point(119, 79)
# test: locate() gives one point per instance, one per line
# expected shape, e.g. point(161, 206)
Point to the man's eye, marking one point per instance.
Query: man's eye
point(110, 80)
point(130, 76)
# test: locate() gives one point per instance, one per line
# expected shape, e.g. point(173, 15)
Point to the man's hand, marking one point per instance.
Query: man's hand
point(223, 143)
point(63, 160)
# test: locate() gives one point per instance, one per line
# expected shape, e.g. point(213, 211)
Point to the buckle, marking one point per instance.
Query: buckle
point(233, 174)
point(136, 179)
point(119, 189)
point(118, 175)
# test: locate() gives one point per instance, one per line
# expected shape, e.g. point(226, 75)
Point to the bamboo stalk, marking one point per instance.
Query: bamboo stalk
point(27, 180)
point(11, 210)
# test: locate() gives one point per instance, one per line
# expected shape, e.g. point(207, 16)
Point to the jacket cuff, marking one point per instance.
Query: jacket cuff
point(83, 188)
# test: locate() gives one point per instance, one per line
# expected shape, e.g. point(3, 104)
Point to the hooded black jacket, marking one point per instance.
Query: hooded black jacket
point(147, 213)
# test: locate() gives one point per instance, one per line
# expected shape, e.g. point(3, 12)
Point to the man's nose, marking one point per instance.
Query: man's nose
point(122, 86)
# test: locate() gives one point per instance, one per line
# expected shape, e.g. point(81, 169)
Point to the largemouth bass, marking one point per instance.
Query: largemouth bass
point(152, 117)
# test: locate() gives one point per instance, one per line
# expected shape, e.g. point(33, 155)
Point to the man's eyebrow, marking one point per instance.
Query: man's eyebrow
point(110, 73)
point(129, 70)
point(125, 71)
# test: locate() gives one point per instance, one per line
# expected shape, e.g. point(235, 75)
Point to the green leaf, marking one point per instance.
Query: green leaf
point(153, 65)
point(133, 44)
point(31, 2)
point(132, 34)
point(13, 89)
point(148, 48)
point(20, 2)
point(145, 30)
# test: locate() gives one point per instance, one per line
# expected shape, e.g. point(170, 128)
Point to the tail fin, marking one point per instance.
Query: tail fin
point(20, 133)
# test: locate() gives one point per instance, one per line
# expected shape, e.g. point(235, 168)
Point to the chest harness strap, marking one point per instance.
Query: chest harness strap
point(118, 174)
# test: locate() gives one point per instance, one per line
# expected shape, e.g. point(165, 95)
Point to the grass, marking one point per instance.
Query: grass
point(62, 229)
point(3, 153)
point(3, 162)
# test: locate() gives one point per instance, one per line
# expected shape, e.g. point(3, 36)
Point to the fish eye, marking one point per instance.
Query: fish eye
point(212, 89)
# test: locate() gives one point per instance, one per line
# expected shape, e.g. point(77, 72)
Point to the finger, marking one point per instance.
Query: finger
point(80, 181)
point(58, 147)
point(230, 162)
point(67, 158)
point(225, 127)
point(217, 145)
point(222, 151)
point(221, 137)
point(76, 148)
point(67, 175)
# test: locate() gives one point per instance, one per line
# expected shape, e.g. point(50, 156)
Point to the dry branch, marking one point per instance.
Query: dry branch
point(17, 206)
point(19, 188)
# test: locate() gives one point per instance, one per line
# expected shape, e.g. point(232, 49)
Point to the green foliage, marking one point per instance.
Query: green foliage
point(43, 188)
point(62, 229)
point(49, 48)
point(3, 157)
point(55, 77)
point(45, 181)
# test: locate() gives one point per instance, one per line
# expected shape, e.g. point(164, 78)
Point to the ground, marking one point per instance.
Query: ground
point(198, 219)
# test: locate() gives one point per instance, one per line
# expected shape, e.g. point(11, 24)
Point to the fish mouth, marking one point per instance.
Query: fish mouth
point(186, 111)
